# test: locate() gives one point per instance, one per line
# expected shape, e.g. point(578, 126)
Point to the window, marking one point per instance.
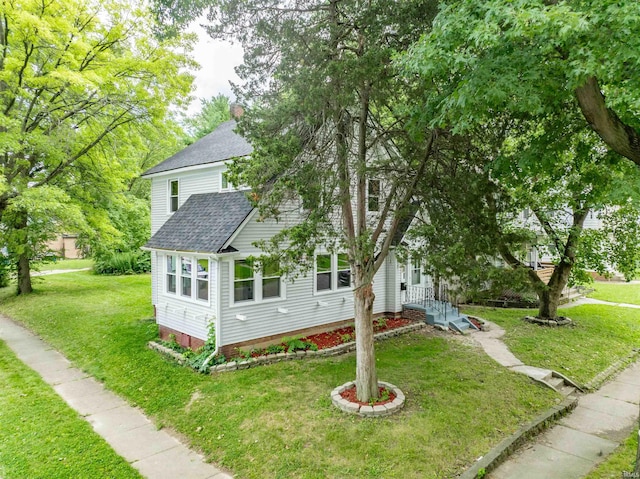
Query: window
point(373, 195)
point(344, 271)
point(173, 195)
point(243, 281)
point(202, 279)
point(323, 272)
point(416, 272)
point(270, 280)
point(224, 182)
point(185, 276)
point(171, 274)
point(189, 276)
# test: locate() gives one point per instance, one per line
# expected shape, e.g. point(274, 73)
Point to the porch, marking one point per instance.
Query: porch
point(434, 306)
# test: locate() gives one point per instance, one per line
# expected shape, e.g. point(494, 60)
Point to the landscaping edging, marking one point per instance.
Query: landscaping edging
point(367, 410)
point(508, 446)
point(612, 370)
point(275, 358)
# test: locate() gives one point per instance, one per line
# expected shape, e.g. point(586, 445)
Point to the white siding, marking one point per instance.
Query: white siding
point(393, 279)
point(204, 180)
point(154, 277)
point(188, 316)
point(302, 308)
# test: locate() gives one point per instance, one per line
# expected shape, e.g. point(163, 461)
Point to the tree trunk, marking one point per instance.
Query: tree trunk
point(24, 275)
point(619, 136)
point(366, 375)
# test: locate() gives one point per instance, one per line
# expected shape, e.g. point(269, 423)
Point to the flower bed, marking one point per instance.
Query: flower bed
point(392, 328)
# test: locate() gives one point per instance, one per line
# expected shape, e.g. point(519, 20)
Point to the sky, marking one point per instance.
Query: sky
point(217, 60)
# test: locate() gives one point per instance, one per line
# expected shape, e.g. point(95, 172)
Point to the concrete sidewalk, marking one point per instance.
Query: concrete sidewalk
point(580, 440)
point(154, 453)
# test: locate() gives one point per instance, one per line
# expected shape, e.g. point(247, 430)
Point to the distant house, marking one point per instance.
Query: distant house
point(65, 246)
point(203, 230)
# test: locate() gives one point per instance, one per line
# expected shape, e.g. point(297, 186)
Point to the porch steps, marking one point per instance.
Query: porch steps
point(441, 313)
point(550, 379)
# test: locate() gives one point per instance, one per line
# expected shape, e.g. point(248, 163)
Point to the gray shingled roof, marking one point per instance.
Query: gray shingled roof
point(204, 223)
point(219, 145)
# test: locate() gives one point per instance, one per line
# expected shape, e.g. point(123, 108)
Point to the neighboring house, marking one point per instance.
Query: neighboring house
point(65, 246)
point(202, 233)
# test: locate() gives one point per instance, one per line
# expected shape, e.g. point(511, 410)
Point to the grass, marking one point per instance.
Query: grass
point(621, 460)
point(42, 437)
point(600, 336)
point(64, 264)
point(278, 421)
point(617, 292)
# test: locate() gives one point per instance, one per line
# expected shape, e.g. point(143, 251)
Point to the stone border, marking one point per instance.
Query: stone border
point(368, 411)
point(508, 446)
point(277, 357)
point(611, 371)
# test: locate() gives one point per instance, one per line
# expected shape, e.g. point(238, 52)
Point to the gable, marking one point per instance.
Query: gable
point(203, 224)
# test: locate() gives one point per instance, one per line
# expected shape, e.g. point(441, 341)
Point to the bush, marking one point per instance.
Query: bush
point(5, 270)
point(118, 263)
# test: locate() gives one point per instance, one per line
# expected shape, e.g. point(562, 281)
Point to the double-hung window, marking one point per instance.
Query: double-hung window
point(333, 271)
point(323, 272)
point(344, 271)
point(202, 279)
point(224, 182)
point(270, 280)
point(373, 195)
point(173, 195)
point(187, 275)
point(243, 281)
point(171, 274)
point(416, 272)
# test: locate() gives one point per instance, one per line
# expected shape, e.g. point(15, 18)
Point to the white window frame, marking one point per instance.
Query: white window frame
point(223, 178)
point(193, 297)
point(258, 278)
point(378, 197)
point(170, 196)
point(173, 273)
point(416, 266)
point(335, 287)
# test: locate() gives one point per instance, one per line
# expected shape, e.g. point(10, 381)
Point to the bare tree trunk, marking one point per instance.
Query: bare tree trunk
point(366, 376)
point(24, 275)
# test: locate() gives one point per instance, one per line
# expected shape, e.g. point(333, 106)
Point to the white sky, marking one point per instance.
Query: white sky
point(217, 60)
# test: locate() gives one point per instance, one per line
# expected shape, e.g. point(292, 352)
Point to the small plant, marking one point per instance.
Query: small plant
point(243, 353)
point(274, 349)
point(347, 338)
point(481, 473)
point(385, 395)
point(380, 323)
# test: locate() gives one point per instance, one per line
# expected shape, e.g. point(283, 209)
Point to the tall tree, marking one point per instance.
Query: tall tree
point(320, 92)
point(212, 112)
point(73, 73)
point(530, 56)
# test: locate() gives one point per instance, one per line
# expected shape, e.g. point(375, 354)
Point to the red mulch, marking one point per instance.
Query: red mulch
point(350, 395)
point(333, 338)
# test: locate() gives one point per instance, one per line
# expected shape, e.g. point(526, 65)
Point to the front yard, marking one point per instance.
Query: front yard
point(278, 420)
point(617, 292)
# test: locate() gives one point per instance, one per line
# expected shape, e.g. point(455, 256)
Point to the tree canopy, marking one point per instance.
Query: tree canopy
point(77, 78)
point(534, 57)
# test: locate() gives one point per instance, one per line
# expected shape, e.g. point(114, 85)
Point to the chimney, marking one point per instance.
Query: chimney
point(235, 111)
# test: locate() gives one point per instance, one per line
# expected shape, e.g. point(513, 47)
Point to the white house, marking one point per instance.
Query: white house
point(202, 233)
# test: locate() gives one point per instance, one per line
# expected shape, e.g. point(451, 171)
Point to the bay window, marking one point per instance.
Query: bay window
point(188, 275)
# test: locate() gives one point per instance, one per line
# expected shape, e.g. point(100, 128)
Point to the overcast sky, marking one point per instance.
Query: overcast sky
point(217, 60)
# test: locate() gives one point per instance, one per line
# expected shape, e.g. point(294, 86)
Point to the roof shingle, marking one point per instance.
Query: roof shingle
point(204, 223)
point(219, 145)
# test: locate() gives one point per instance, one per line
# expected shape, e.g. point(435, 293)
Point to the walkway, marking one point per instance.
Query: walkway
point(154, 453)
point(570, 449)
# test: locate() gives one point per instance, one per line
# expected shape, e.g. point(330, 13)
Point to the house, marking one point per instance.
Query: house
point(203, 230)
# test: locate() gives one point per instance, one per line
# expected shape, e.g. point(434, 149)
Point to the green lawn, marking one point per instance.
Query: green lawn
point(64, 264)
point(278, 420)
point(40, 436)
point(617, 292)
point(621, 460)
point(600, 336)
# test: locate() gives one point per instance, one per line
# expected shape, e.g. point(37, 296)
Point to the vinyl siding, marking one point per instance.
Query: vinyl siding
point(188, 316)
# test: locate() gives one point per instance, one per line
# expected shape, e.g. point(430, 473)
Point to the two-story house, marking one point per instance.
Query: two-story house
point(203, 230)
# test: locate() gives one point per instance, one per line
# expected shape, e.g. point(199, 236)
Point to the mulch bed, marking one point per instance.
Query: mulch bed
point(350, 395)
point(337, 336)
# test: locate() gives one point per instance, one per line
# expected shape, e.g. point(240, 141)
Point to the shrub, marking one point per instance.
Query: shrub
point(119, 263)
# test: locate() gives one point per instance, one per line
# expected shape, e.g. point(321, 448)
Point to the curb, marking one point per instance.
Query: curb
point(611, 371)
point(506, 447)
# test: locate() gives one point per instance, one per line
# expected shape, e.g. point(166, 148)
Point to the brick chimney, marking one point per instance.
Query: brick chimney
point(235, 111)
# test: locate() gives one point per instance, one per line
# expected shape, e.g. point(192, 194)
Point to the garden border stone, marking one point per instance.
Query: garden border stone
point(242, 363)
point(378, 410)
